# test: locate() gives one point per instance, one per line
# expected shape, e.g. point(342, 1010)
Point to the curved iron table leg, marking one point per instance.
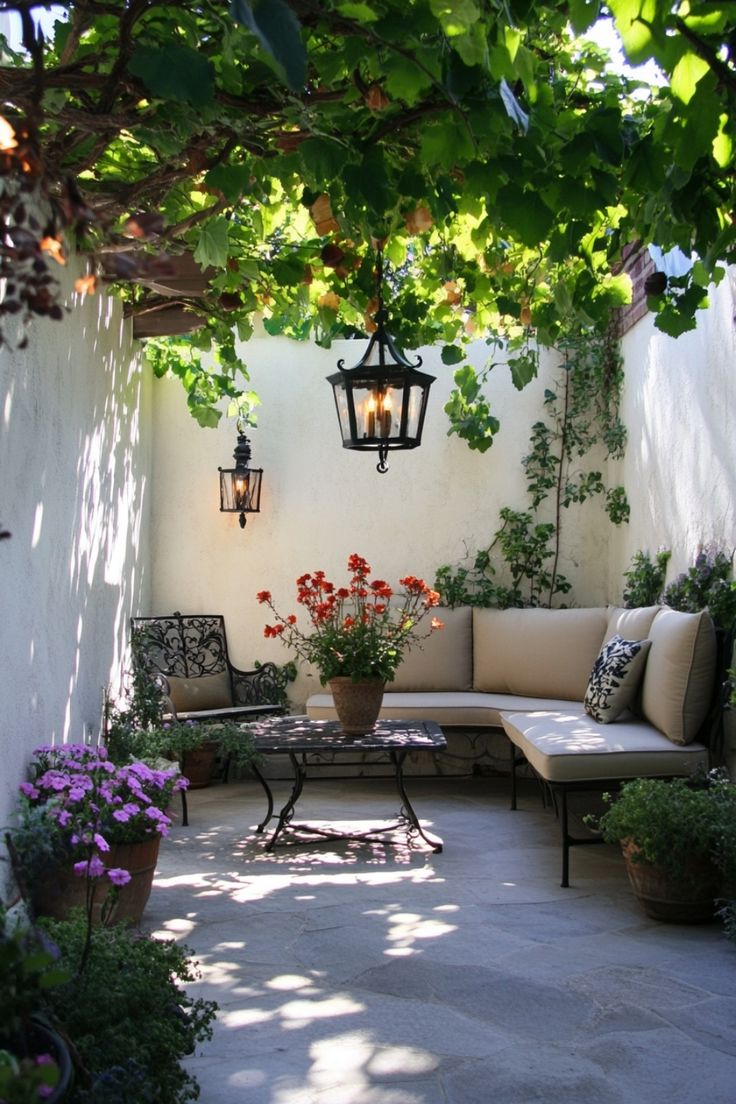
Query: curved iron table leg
point(407, 810)
point(269, 797)
point(288, 810)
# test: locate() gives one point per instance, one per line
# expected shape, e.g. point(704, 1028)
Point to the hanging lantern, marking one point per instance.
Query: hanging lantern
point(381, 402)
point(240, 487)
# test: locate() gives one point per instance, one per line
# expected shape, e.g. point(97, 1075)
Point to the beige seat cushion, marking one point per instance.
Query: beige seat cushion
point(679, 675)
point(571, 747)
point(536, 652)
point(444, 661)
point(458, 710)
point(206, 692)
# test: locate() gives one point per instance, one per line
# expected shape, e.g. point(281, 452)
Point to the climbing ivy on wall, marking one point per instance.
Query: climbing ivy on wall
point(580, 415)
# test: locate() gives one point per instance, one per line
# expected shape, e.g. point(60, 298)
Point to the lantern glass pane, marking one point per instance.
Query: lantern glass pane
point(240, 492)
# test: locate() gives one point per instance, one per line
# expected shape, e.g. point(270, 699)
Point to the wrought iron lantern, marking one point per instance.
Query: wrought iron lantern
point(240, 487)
point(382, 400)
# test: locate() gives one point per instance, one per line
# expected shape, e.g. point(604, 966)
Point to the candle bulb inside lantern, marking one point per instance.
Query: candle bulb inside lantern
point(386, 417)
point(371, 417)
point(240, 489)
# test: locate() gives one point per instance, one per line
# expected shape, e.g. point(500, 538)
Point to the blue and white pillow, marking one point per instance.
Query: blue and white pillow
point(615, 678)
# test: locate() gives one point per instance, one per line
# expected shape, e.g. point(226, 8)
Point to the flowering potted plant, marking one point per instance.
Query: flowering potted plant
point(357, 635)
point(85, 824)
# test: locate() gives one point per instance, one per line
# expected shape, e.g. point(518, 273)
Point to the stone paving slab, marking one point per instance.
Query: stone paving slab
point(358, 973)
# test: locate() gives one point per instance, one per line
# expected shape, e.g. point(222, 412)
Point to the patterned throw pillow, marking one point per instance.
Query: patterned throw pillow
point(615, 678)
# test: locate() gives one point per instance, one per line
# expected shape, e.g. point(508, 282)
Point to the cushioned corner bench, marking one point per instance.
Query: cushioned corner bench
point(527, 671)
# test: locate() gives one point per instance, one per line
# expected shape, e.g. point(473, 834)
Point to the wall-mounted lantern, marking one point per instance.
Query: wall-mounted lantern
point(240, 487)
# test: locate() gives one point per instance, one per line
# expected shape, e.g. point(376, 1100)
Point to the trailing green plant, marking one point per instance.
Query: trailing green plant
point(143, 699)
point(645, 579)
point(707, 584)
point(173, 739)
point(676, 824)
point(582, 413)
point(128, 1014)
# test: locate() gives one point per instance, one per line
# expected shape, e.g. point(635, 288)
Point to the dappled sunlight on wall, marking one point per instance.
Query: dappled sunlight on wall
point(75, 460)
point(679, 405)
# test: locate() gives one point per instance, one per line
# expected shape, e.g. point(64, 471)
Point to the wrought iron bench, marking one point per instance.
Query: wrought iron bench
point(187, 656)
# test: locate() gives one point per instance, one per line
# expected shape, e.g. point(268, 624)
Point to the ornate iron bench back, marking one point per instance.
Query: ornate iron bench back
point(183, 645)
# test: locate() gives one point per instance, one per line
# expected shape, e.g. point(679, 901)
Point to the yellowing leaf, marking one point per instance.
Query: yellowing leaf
point(54, 248)
point(418, 220)
point(330, 299)
point(85, 285)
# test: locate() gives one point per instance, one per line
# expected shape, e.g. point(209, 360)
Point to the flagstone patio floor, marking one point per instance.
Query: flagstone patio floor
point(364, 973)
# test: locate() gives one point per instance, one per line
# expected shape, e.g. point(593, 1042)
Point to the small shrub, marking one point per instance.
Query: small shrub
point(127, 1015)
point(645, 579)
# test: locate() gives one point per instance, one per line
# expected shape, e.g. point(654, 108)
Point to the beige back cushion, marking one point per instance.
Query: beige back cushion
point(538, 652)
point(206, 692)
point(444, 661)
point(631, 624)
point(678, 679)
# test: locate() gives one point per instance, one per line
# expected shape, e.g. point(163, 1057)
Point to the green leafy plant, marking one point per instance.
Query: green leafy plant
point(645, 579)
point(128, 1014)
point(676, 824)
point(271, 141)
point(581, 414)
point(173, 739)
point(707, 584)
point(28, 972)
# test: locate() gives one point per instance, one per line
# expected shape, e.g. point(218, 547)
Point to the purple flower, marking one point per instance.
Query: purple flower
point(131, 808)
point(44, 1060)
point(94, 868)
point(76, 794)
point(101, 842)
point(64, 817)
point(118, 876)
point(121, 816)
point(29, 790)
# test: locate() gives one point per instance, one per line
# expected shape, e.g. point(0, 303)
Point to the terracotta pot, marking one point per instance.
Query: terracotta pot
point(197, 765)
point(689, 900)
point(357, 704)
point(66, 890)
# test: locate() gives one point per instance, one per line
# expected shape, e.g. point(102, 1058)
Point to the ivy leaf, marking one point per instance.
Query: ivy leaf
point(514, 109)
point(277, 29)
point(322, 159)
point(212, 247)
point(364, 13)
point(686, 74)
point(525, 214)
point(174, 73)
point(231, 180)
point(523, 370)
point(451, 354)
point(583, 13)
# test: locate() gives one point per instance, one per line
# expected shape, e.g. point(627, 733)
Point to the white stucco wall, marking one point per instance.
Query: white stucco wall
point(679, 406)
point(74, 457)
point(321, 502)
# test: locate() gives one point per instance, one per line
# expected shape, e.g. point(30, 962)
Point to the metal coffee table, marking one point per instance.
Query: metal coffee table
point(297, 737)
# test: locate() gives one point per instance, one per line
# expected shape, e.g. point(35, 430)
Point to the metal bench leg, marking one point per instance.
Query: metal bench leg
point(565, 883)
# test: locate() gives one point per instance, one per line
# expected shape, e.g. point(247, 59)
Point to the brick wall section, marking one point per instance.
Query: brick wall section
point(639, 266)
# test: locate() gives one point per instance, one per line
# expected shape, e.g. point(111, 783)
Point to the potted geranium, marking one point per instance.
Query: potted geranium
point(87, 826)
point(678, 839)
point(357, 637)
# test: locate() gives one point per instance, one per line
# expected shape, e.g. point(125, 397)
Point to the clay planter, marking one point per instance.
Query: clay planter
point(357, 704)
point(198, 763)
point(690, 900)
point(66, 890)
